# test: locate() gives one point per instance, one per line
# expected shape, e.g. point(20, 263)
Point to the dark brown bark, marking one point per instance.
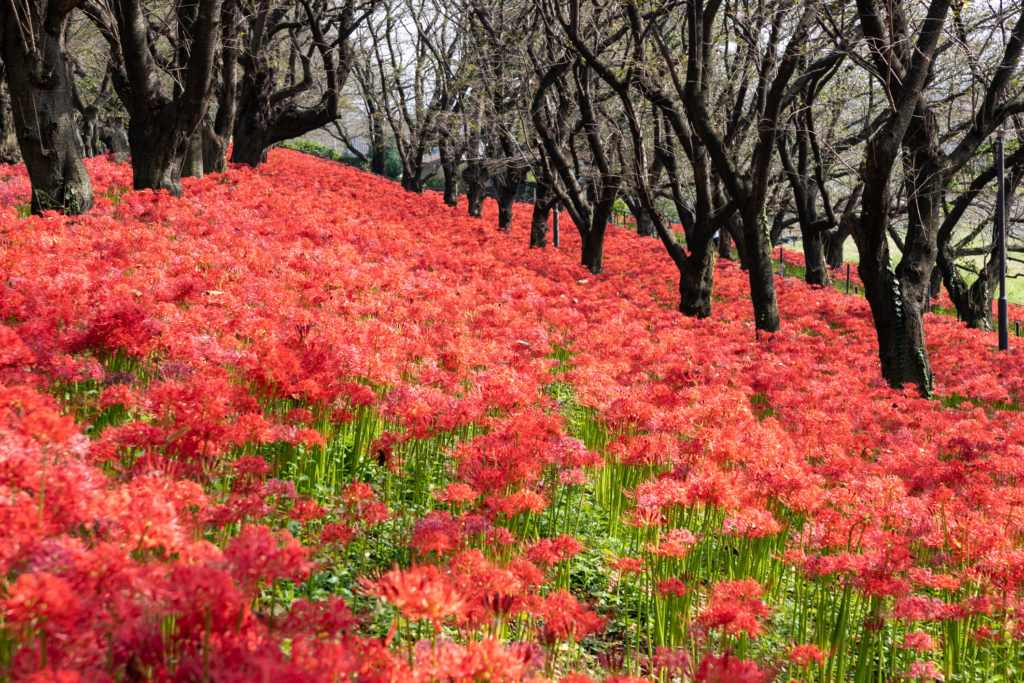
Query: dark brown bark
point(973, 302)
point(696, 279)
point(543, 202)
point(475, 177)
point(898, 298)
point(507, 184)
point(589, 201)
point(834, 241)
point(412, 170)
point(160, 126)
point(804, 193)
point(115, 138)
point(216, 134)
point(450, 170)
point(39, 82)
point(192, 165)
point(746, 190)
point(268, 112)
point(9, 153)
point(592, 251)
point(644, 224)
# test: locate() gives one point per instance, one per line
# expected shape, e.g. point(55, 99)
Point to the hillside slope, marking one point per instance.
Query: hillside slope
point(301, 425)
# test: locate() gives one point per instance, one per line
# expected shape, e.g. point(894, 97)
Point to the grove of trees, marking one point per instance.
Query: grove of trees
point(863, 120)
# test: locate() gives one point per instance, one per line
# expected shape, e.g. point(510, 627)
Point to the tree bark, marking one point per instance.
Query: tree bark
point(192, 165)
point(696, 279)
point(39, 82)
point(896, 300)
point(9, 153)
point(475, 178)
point(508, 183)
point(450, 169)
point(592, 252)
point(834, 240)
point(760, 272)
point(804, 190)
point(542, 205)
point(267, 114)
point(160, 126)
point(378, 150)
point(644, 224)
point(412, 170)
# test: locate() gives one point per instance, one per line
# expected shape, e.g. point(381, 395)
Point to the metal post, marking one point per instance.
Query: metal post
point(1004, 333)
point(782, 262)
point(847, 278)
point(554, 226)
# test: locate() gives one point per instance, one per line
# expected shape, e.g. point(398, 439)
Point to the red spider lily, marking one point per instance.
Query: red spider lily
point(260, 556)
point(728, 669)
point(675, 543)
point(918, 640)
point(923, 671)
point(566, 619)
point(487, 660)
point(420, 592)
point(628, 565)
point(671, 587)
point(736, 607)
point(227, 322)
point(437, 533)
point(805, 655)
point(549, 552)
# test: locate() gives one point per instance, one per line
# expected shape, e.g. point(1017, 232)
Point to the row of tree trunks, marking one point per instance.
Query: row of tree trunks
point(39, 82)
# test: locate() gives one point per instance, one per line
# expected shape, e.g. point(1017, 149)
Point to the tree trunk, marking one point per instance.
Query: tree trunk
point(156, 161)
point(804, 192)
point(378, 150)
point(508, 183)
point(9, 153)
point(248, 146)
point(834, 240)
point(412, 176)
point(192, 164)
point(215, 150)
point(115, 138)
point(761, 275)
point(160, 127)
point(696, 279)
point(542, 204)
point(216, 134)
point(476, 187)
point(644, 224)
point(475, 196)
point(896, 301)
point(816, 269)
point(592, 252)
point(725, 244)
point(898, 315)
point(450, 169)
point(974, 303)
point(41, 104)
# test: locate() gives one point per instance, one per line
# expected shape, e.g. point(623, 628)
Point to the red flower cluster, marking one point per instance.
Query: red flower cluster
point(216, 410)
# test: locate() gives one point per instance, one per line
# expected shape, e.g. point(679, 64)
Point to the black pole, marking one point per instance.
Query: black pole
point(1004, 332)
point(782, 262)
point(847, 278)
point(554, 226)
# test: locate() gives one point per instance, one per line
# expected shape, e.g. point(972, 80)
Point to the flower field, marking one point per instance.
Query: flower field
point(302, 426)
